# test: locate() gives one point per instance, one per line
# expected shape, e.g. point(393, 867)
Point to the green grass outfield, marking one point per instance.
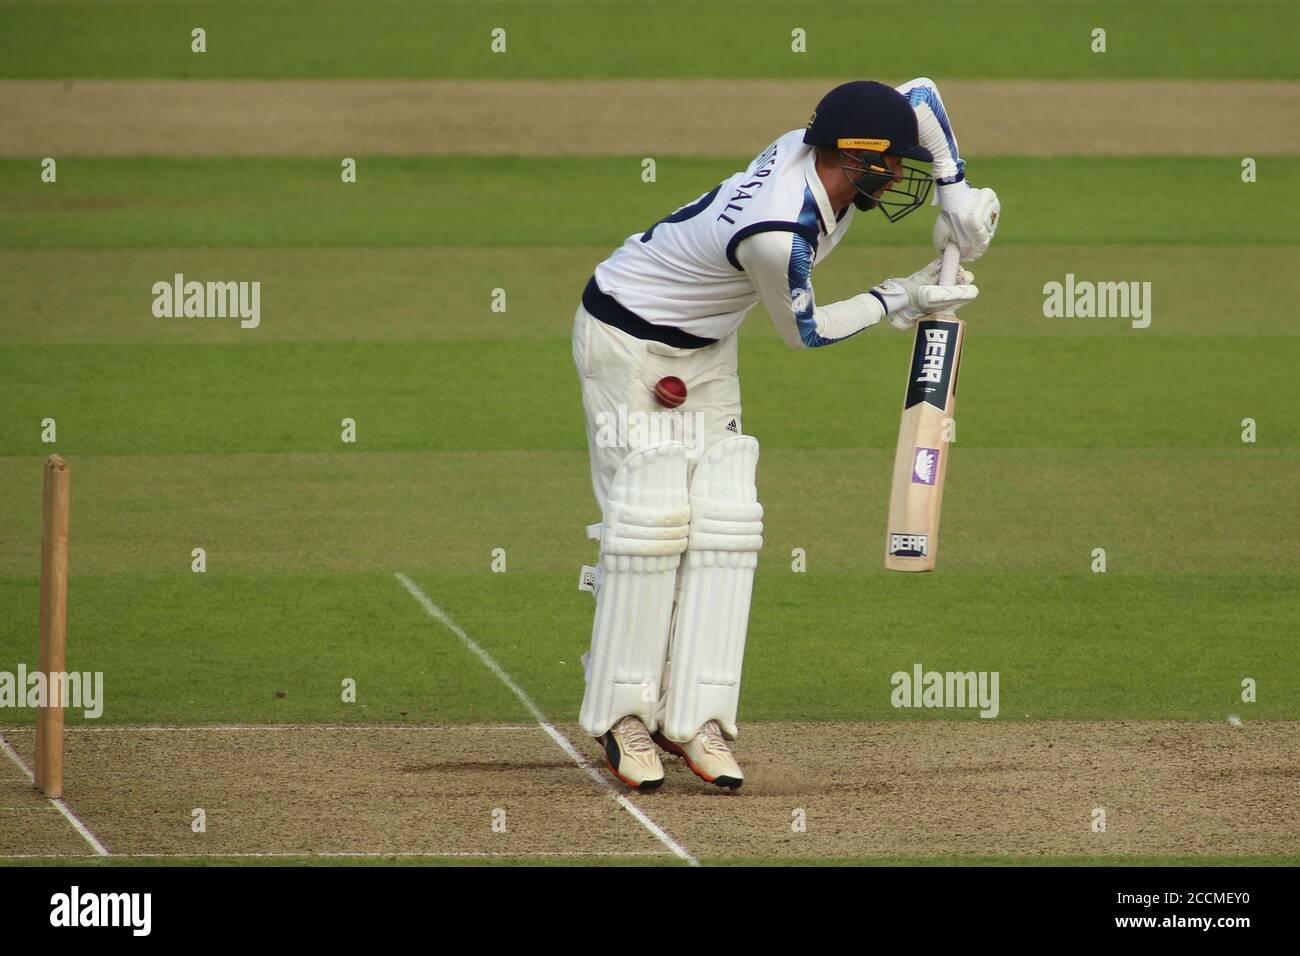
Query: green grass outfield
point(391, 38)
point(502, 200)
point(1074, 435)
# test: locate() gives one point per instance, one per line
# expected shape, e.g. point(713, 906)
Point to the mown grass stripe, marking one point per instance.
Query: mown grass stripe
point(706, 38)
point(494, 200)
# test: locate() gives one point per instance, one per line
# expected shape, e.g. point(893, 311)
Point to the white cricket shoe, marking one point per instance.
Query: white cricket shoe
point(631, 755)
point(707, 754)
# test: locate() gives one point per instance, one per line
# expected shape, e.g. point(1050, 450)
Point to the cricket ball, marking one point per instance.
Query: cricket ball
point(670, 391)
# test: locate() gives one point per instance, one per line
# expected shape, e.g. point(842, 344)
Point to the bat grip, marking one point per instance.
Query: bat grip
point(948, 268)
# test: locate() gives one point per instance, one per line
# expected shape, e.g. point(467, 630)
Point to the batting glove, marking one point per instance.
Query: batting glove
point(970, 223)
point(907, 299)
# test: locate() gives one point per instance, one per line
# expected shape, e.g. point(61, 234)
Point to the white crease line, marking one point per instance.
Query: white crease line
point(58, 803)
point(369, 855)
point(440, 615)
point(26, 809)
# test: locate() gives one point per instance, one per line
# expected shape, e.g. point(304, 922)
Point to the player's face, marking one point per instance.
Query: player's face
point(896, 168)
point(865, 161)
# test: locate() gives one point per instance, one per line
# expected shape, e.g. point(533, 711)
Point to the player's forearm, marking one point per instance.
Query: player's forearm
point(969, 216)
point(773, 261)
point(838, 320)
point(935, 129)
point(824, 325)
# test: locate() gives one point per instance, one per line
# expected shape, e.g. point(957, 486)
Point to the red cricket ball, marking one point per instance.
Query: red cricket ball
point(670, 391)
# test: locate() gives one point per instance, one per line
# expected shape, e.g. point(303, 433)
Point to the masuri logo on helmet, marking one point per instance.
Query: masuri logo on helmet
point(875, 145)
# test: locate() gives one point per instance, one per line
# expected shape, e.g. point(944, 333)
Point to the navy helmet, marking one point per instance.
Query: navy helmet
point(867, 121)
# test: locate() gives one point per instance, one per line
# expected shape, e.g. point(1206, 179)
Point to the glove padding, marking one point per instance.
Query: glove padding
point(970, 226)
point(907, 299)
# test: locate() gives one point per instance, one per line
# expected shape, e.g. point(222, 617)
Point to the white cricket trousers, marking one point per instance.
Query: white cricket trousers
point(618, 373)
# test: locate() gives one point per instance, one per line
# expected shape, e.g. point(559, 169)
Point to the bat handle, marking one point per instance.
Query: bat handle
point(948, 268)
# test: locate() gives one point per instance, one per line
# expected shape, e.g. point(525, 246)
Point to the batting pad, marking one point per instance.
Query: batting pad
point(708, 640)
point(642, 537)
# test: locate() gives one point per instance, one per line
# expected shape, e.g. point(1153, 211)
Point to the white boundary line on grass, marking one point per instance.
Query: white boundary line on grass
point(562, 741)
point(59, 805)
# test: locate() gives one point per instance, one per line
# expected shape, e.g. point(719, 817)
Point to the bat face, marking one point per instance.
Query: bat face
point(921, 458)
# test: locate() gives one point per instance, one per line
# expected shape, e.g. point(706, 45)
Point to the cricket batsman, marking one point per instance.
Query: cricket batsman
point(681, 525)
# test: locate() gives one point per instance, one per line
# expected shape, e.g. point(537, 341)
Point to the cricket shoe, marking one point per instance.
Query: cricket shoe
point(631, 755)
point(708, 755)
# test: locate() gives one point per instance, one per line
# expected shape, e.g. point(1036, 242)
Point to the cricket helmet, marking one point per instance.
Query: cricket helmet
point(867, 121)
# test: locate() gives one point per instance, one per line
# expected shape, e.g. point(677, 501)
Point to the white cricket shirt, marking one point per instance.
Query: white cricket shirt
point(755, 235)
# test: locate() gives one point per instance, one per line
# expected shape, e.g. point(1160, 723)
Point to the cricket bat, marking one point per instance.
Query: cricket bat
point(924, 434)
